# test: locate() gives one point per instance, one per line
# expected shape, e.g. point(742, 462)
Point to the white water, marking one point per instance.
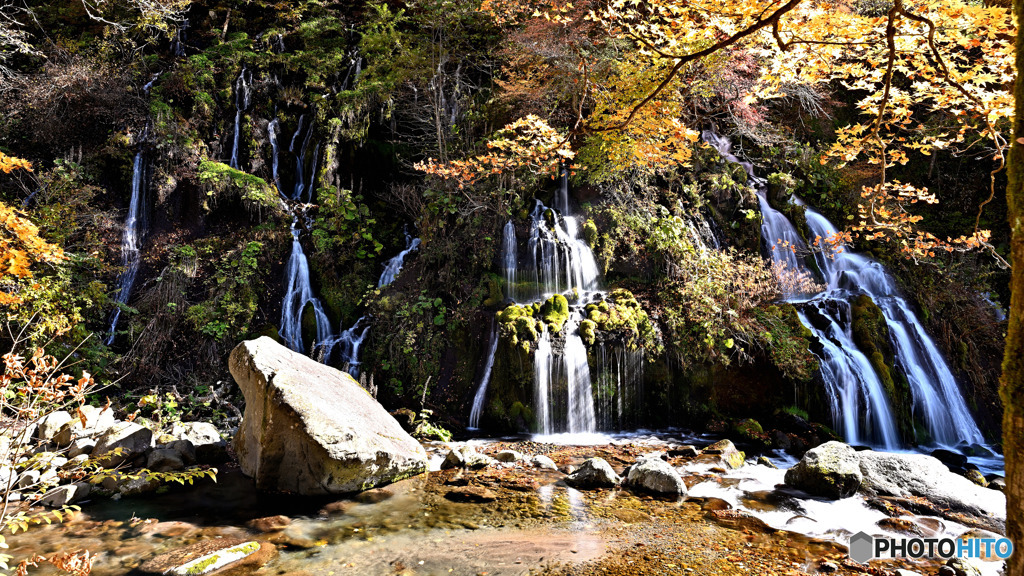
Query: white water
point(485, 380)
point(299, 294)
point(272, 129)
point(860, 405)
point(243, 99)
point(394, 265)
point(509, 258)
point(131, 240)
point(300, 160)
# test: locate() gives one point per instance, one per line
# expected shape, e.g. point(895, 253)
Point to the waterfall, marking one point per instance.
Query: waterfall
point(580, 393)
point(542, 367)
point(860, 406)
point(243, 99)
point(618, 394)
point(272, 136)
point(300, 159)
point(509, 256)
point(937, 397)
point(485, 379)
point(350, 341)
point(299, 294)
point(131, 240)
point(394, 265)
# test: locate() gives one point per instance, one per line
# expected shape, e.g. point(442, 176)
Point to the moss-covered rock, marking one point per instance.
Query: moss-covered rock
point(555, 312)
point(871, 334)
point(590, 233)
point(518, 325)
point(588, 331)
point(620, 316)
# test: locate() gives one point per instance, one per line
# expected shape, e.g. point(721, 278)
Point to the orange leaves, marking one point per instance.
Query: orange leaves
point(20, 247)
point(528, 143)
point(9, 163)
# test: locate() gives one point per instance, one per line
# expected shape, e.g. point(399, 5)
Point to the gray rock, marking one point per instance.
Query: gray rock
point(949, 458)
point(29, 478)
point(509, 456)
point(131, 485)
point(544, 463)
point(50, 424)
point(185, 449)
point(132, 439)
point(211, 556)
point(75, 463)
point(684, 451)
point(164, 460)
point(209, 446)
point(81, 446)
point(311, 429)
point(63, 495)
point(656, 475)
point(8, 476)
point(764, 461)
point(901, 572)
point(593, 473)
point(831, 470)
point(466, 457)
point(976, 477)
point(97, 421)
point(905, 475)
point(998, 484)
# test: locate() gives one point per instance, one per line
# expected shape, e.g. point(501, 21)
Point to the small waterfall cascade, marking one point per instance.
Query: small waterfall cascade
point(272, 129)
point(394, 265)
point(301, 188)
point(243, 100)
point(298, 295)
point(860, 405)
point(485, 379)
point(570, 395)
point(131, 239)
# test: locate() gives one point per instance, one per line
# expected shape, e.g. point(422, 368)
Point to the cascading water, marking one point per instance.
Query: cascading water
point(243, 99)
point(394, 266)
point(937, 397)
point(300, 159)
point(299, 295)
point(485, 379)
point(272, 129)
point(131, 239)
point(860, 405)
point(558, 261)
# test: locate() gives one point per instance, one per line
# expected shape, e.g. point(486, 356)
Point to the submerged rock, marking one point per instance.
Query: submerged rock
point(466, 457)
point(221, 556)
point(593, 473)
point(831, 470)
point(311, 429)
point(725, 453)
point(656, 475)
point(544, 463)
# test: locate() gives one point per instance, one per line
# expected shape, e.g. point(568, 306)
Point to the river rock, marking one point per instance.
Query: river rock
point(97, 421)
point(962, 567)
point(593, 473)
point(63, 495)
point(164, 460)
point(466, 457)
point(131, 438)
point(81, 446)
point(269, 523)
point(656, 475)
point(311, 429)
point(998, 484)
point(471, 494)
point(220, 556)
point(509, 456)
point(950, 458)
point(209, 446)
point(904, 475)
point(831, 470)
point(185, 449)
point(50, 424)
point(544, 463)
point(975, 476)
point(725, 453)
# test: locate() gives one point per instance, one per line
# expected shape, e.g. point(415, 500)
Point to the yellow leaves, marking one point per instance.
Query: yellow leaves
point(20, 247)
point(9, 163)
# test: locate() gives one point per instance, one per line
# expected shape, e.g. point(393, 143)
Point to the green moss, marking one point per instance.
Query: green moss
point(588, 330)
point(518, 325)
point(555, 312)
point(254, 192)
point(622, 317)
point(871, 334)
point(590, 233)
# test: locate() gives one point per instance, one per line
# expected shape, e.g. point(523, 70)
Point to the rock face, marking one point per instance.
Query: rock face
point(310, 429)
point(593, 473)
point(831, 470)
point(132, 440)
point(656, 475)
point(923, 476)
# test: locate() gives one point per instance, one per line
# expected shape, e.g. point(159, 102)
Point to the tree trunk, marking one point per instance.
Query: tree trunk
point(1012, 390)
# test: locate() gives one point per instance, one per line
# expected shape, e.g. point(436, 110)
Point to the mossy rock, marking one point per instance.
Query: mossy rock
point(590, 233)
point(308, 324)
point(555, 312)
point(588, 333)
point(871, 334)
point(622, 316)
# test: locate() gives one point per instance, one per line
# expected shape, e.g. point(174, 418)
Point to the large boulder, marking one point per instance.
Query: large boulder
point(311, 429)
point(593, 473)
point(656, 475)
point(831, 470)
point(905, 475)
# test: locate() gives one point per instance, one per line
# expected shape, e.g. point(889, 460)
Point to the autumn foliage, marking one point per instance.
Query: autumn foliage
point(20, 244)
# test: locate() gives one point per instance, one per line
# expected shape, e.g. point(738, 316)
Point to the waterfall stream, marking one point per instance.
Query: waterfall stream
point(481, 392)
point(243, 99)
point(860, 404)
point(131, 239)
